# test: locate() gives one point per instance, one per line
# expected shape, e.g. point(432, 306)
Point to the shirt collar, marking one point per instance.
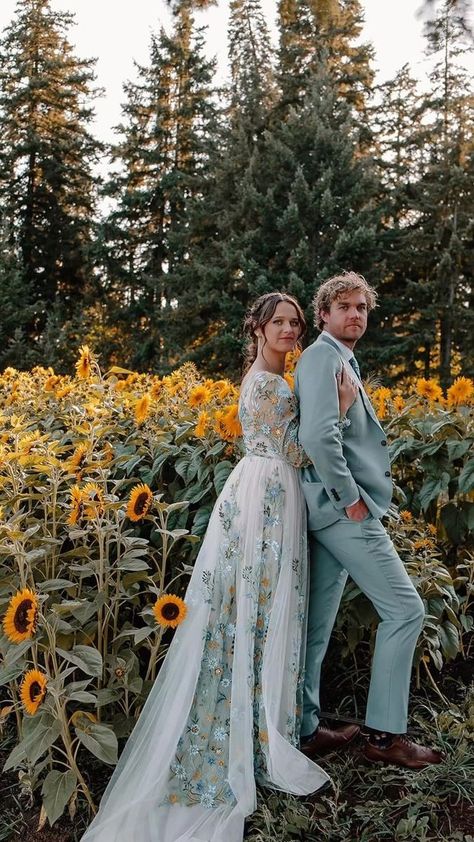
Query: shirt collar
point(346, 352)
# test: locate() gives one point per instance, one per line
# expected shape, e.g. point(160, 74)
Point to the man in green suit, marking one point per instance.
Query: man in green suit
point(348, 488)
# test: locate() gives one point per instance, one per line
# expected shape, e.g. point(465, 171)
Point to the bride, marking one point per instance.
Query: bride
point(224, 712)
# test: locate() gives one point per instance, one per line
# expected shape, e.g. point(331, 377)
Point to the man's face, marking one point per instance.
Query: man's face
point(346, 319)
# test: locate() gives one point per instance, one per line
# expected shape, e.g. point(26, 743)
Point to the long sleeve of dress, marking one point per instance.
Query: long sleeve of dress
point(270, 420)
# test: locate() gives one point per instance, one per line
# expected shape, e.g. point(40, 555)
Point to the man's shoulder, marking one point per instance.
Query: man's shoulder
point(321, 347)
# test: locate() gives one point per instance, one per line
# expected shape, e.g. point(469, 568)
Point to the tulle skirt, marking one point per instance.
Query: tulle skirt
point(224, 711)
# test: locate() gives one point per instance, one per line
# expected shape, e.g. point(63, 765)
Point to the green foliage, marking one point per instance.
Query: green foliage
point(47, 187)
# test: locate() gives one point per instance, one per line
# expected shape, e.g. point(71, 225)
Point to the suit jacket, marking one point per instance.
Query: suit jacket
point(345, 467)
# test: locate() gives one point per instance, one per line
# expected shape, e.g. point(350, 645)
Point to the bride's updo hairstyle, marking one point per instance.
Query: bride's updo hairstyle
point(260, 312)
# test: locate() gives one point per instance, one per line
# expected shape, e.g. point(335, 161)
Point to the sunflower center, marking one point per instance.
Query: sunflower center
point(21, 616)
point(170, 611)
point(35, 690)
point(141, 503)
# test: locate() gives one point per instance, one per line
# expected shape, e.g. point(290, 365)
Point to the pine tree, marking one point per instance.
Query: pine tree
point(167, 139)
point(16, 313)
point(328, 31)
point(302, 209)
point(399, 153)
point(437, 237)
point(47, 186)
point(252, 78)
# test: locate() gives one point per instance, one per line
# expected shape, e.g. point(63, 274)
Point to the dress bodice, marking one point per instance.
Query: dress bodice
point(268, 412)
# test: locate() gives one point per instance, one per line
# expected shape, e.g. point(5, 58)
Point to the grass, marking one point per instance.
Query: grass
point(365, 804)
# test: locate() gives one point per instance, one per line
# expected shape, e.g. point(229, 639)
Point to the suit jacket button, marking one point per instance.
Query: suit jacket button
point(387, 473)
point(383, 443)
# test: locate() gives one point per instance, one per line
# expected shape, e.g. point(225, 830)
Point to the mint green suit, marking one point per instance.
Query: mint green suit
point(343, 469)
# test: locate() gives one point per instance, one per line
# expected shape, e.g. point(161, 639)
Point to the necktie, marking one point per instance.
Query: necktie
point(355, 366)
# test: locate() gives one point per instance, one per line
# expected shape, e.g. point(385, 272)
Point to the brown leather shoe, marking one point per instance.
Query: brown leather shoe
point(324, 740)
point(402, 752)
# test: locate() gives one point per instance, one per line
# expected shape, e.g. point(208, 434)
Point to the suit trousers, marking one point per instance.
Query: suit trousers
point(365, 552)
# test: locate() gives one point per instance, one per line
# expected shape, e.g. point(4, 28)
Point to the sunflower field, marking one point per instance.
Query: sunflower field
point(107, 481)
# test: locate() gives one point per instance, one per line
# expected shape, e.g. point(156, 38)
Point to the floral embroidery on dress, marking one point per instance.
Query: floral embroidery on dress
point(268, 413)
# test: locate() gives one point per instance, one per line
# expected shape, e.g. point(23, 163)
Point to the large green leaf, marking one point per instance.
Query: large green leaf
point(466, 477)
point(457, 449)
point(39, 734)
point(221, 472)
point(454, 522)
point(57, 790)
point(9, 673)
point(99, 740)
point(449, 637)
point(432, 488)
point(88, 659)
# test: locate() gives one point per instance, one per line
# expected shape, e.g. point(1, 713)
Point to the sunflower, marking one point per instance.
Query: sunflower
point(51, 383)
point(64, 392)
point(382, 394)
point(290, 380)
point(460, 392)
point(291, 359)
point(21, 619)
point(399, 403)
point(84, 363)
point(202, 424)
point(423, 544)
point(78, 460)
point(169, 611)
point(227, 422)
point(142, 408)
point(199, 395)
point(156, 389)
point(77, 506)
point(33, 690)
point(222, 388)
point(139, 503)
point(428, 389)
point(93, 500)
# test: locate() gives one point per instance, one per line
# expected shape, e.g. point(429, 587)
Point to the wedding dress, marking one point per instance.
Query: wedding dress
point(224, 711)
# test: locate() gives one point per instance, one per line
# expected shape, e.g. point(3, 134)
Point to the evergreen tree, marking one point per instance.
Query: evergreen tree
point(301, 210)
point(398, 150)
point(47, 187)
point(435, 237)
point(315, 31)
point(16, 313)
point(252, 79)
point(164, 155)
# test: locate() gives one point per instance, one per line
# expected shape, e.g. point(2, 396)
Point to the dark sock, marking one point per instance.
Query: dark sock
point(380, 739)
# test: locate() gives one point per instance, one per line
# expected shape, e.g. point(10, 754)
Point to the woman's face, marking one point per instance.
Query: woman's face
point(283, 330)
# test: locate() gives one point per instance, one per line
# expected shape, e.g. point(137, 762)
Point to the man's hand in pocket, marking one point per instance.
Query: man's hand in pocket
point(358, 511)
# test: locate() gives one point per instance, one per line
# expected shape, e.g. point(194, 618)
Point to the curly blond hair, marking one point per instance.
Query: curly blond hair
point(339, 285)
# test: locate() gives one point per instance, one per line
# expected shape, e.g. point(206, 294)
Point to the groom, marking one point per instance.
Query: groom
point(348, 488)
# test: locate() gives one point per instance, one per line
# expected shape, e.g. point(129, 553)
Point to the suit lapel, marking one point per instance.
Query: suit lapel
point(323, 337)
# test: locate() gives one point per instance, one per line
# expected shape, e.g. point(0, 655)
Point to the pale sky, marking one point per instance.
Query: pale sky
point(117, 32)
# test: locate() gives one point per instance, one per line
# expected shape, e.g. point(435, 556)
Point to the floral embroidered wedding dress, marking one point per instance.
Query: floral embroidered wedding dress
point(224, 710)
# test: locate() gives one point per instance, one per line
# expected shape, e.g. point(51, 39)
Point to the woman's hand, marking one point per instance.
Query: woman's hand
point(347, 390)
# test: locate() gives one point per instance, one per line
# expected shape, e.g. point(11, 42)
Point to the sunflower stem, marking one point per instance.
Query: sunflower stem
point(67, 742)
point(151, 671)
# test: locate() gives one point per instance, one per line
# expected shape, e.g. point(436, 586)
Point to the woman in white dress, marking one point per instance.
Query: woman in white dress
point(224, 712)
